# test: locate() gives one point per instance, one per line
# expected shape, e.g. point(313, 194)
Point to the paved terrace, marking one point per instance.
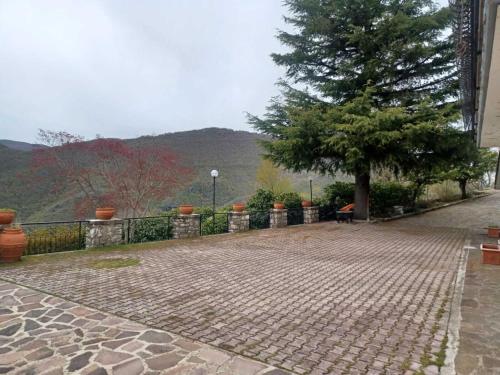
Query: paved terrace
point(316, 299)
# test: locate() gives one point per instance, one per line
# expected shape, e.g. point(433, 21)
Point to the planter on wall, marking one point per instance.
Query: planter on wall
point(307, 203)
point(186, 209)
point(12, 244)
point(238, 207)
point(7, 216)
point(104, 213)
point(493, 232)
point(491, 254)
point(279, 205)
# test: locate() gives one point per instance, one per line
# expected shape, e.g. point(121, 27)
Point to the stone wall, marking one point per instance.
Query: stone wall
point(311, 215)
point(104, 233)
point(239, 221)
point(186, 226)
point(278, 218)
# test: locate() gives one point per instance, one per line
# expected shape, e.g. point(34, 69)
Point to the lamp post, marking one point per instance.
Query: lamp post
point(311, 187)
point(214, 173)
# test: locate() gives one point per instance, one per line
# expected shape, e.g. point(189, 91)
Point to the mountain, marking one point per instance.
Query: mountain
point(235, 154)
point(20, 146)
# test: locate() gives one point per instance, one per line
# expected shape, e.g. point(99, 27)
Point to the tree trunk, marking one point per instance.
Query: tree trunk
point(361, 196)
point(462, 184)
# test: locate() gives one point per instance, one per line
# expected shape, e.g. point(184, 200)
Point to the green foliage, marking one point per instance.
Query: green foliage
point(151, 229)
point(385, 195)
point(54, 239)
point(262, 200)
point(341, 193)
point(208, 224)
point(339, 47)
point(270, 177)
point(290, 199)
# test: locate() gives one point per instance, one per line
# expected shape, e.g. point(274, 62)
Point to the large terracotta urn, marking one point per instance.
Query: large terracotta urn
point(307, 203)
point(238, 207)
point(186, 209)
point(104, 213)
point(7, 216)
point(12, 244)
point(279, 205)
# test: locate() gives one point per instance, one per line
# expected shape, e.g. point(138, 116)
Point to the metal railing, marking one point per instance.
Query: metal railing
point(53, 237)
point(295, 216)
point(147, 229)
point(50, 237)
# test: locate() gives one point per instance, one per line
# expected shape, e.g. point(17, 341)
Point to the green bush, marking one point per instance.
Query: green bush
point(291, 199)
point(262, 200)
point(54, 239)
point(385, 195)
point(151, 229)
point(342, 191)
point(208, 225)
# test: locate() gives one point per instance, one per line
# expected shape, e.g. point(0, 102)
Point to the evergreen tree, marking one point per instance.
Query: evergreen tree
point(337, 47)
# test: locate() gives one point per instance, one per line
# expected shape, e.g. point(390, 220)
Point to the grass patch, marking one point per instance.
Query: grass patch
point(114, 263)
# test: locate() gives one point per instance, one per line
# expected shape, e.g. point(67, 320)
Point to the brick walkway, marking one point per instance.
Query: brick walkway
point(479, 341)
point(316, 299)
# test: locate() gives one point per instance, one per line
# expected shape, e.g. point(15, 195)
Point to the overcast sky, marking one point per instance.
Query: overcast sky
point(127, 68)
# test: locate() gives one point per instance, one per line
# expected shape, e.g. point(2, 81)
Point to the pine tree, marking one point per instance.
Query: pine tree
point(399, 48)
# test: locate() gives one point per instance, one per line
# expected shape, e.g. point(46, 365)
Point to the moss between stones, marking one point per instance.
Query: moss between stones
point(114, 263)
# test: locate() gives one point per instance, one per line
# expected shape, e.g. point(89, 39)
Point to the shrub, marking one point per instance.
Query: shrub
point(262, 200)
point(385, 195)
point(208, 225)
point(343, 191)
point(151, 229)
point(291, 199)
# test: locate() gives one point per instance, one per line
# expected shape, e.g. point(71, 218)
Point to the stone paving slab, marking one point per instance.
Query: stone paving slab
point(318, 299)
point(43, 334)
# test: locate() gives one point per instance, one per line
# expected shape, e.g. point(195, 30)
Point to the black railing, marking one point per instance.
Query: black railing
point(259, 219)
point(147, 229)
point(295, 216)
point(55, 236)
point(214, 223)
point(328, 212)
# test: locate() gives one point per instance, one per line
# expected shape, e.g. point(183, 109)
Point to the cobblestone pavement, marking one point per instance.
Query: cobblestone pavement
point(479, 342)
point(42, 334)
point(321, 299)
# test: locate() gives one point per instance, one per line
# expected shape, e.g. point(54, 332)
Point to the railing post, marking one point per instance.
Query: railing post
point(104, 233)
point(186, 226)
point(278, 218)
point(311, 215)
point(238, 221)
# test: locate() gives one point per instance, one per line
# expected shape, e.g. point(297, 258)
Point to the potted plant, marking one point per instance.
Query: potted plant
point(7, 216)
point(493, 231)
point(104, 213)
point(12, 244)
point(279, 205)
point(238, 207)
point(307, 203)
point(491, 254)
point(186, 209)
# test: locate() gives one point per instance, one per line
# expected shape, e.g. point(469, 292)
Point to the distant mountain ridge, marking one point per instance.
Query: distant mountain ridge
point(235, 153)
point(20, 146)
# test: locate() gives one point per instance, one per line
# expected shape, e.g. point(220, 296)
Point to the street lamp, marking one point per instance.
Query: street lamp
point(214, 174)
point(311, 187)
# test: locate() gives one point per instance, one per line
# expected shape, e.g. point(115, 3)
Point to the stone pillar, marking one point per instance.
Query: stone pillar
point(186, 226)
point(278, 218)
point(311, 214)
point(104, 233)
point(239, 221)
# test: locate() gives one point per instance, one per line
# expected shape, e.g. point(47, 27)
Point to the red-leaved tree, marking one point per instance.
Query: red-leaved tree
point(108, 172)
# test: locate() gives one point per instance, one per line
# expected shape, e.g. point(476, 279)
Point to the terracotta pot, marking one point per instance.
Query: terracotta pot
point(104, 213)
point(491, 254)
point(493, 232)
point(279, 206)
point(12, 244)
point(7, 217)
point(186, 209)
point(238, 207)
point(306, 203)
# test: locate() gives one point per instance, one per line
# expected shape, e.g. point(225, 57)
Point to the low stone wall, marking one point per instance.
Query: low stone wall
point(239, 221)
point(104, 233)
point(186, 226)
point(278, 218)
point(311, 215)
